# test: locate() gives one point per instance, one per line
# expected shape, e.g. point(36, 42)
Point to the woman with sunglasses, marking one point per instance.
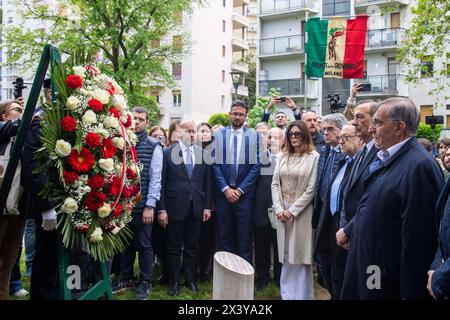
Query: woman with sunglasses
point(293, 188)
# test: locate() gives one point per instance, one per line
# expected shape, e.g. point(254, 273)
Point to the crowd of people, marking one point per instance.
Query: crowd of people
point(356, 194)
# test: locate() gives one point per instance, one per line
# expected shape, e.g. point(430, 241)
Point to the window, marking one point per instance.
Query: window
point(222, 101)
point(177, 42)
point(156, 95)
point(176, 99)
point(395, 20)
point(223, 51)
point(10, 20)
point(224, 23)
point(223, 75)
point(427, 66)
point(335, 7)
point(224, 3)
point(448, 107)
point(176, 71)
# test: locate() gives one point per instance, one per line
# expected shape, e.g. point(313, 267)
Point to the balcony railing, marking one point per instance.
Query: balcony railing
point(280, 45)
point(382, 84)
point(380, 2)
point(384, 37)
point(270, 6)
point(286, 87)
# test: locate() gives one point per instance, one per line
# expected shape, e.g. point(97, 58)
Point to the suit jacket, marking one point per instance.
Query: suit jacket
point(263, 196)
point(324, 152)
point(355, 188)
point(394, 227)
point(248, 168)
point(266, 116)
point(177, 189)
point(301, 238)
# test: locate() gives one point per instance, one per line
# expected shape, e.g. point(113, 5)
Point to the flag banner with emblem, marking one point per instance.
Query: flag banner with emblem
point(335, 47)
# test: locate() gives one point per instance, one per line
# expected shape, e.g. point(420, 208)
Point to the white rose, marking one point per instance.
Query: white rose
point(104, 211)
point(72, 103)
point(69, 206)
point(79, 71)
point(106, 164)
point(111, 122)
point(118, 142)
point(119, 102)
point(96, 235)
point(83, 190)
point(63, 148)
point(89, 117)
point(102, 95)
point(85, 92)
point(102, 132)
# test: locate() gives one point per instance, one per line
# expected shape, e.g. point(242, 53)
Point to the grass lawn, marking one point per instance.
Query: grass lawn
point(160, 292)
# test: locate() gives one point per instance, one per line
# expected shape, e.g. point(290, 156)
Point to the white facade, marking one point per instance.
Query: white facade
point(281, 52)
point(218, 40)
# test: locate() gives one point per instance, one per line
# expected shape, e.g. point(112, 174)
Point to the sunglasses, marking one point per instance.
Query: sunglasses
point(296, 134)
point(17, 109)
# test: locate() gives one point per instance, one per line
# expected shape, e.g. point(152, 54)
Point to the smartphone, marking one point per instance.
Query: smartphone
point(365, 87)
point(283, 99)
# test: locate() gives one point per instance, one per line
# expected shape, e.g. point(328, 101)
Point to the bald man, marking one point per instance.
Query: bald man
point(185, 203)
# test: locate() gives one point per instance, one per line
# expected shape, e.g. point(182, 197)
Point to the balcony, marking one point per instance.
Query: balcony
point(383, 39)
point(384, 85)
point(362, 5)
point(281, 46)
point(252, 11)
point(241, 91)
point(286, 87)
point(252, 43)
point(239, 44)
point(239, 20)
point(239, 66)
point(270, 8)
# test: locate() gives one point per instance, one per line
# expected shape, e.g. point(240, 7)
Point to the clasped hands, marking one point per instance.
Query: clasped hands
point(284, 215)
point(232, 195)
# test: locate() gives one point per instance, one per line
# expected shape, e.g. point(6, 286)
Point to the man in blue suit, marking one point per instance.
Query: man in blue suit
point(393, 237)
point(235, 169)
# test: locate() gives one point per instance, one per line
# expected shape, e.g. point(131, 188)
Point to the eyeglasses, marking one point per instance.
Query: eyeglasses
point(330, 129)
point(376, 123)
point(17, 109)
point(346, 137)
point(238, 114)
point(296, 134)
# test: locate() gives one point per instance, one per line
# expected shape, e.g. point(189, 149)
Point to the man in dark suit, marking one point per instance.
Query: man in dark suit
point(393, 238)
point(281, 120)
point(235, 169)
point(264, 234)
point(325, 240)
point(185, 202)
point(354, 190)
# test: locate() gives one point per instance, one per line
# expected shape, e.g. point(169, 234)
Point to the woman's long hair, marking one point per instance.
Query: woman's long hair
point(204, 144)
point(307, 144)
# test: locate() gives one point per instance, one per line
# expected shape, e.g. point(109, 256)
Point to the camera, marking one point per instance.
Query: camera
point(282, 99)
point(335, 103)
point(18, 87)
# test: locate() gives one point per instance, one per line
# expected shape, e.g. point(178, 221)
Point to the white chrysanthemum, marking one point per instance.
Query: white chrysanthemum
point(111, 122)
point(104, 211)
point(119, 102)
point(82, 190)
point(106, 164)
point(72, 103)
point(102, 95)
point(79, 71)
point(69, 206)
point(86, 93)
point(96, 235)
point(63, 148)
point(118, 142)
point(89, 117)
point(132, 136)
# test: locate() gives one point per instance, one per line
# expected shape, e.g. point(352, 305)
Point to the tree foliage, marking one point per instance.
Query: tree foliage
point(428, 34)
point(219, 118)
point(426, 132)
point(255, 114)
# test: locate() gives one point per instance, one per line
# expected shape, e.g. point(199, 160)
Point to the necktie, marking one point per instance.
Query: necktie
point(327, 173)
point(234, 166)
point(377, 164)
point(335, 197)
point(189, 163)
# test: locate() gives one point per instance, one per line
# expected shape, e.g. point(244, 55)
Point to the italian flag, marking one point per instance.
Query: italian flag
point(335, 47)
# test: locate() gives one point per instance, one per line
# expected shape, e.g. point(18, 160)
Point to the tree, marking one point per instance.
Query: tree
point(427, 35)
point(219, 118)
point(125, 34)
point(255, 114)
point(250, 81)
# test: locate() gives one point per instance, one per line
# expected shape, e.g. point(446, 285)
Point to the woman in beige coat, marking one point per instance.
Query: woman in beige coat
point(293, 188)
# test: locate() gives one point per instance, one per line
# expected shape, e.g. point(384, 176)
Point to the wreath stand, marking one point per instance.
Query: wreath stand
point(50, 56)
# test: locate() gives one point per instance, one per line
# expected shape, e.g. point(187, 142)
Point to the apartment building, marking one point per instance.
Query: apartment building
point(281, 53)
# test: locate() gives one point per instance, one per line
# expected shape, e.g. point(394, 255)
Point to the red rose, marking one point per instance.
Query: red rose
point(92, 140)
point(134, 190)
point(74, 82)
point(114, 187)
point(127, 192)
point(128, 123)
point(115, 113)
point(96, 182)
point(130, 174)
point(94, 200)
point(70, 177)
point(81, 162)
point(68, 123)
point(117, 210)
point(111, 89)
point(81, 228)
point(95, 105)
point(108, 148)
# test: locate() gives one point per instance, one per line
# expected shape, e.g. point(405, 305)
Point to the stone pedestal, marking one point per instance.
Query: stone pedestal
point(233, 277)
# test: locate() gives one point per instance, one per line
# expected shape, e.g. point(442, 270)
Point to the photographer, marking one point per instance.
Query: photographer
point(349, 111)
point(281, 119)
